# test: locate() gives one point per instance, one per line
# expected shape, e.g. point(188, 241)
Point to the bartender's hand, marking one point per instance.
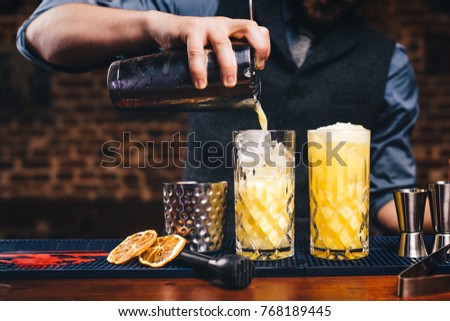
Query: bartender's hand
point(81, 35)
point(197, 32)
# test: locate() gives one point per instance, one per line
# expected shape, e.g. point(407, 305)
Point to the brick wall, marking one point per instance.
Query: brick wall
point(423, 27)
point(51, 136)
point(52, 127)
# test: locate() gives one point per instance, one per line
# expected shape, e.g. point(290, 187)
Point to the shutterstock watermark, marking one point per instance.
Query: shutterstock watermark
point(210, 154)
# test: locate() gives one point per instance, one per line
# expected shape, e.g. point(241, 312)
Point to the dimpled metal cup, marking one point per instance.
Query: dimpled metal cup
point(195, 211)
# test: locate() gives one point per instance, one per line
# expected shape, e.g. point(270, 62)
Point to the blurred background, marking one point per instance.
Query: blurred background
point(53, 126)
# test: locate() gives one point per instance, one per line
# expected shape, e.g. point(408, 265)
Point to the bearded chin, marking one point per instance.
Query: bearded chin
point(321, 15)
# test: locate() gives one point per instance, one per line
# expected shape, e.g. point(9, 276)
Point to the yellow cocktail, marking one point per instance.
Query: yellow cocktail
point(339, 169)
point(264, 195)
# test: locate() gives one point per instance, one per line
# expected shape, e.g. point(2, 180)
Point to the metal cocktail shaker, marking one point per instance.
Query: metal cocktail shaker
point(162, 82)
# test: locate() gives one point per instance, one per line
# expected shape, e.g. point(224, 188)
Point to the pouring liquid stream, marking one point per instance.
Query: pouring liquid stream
point(262, 118)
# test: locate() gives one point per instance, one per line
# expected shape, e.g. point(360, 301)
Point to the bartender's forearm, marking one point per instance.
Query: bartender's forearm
point(387, 218)
point(80, 35)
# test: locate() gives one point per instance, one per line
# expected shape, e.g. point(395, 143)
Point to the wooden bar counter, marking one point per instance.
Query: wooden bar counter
point(355, 288)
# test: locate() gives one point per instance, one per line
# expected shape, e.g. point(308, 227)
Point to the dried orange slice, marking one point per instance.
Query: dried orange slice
point(162, 251)
point(132, 246)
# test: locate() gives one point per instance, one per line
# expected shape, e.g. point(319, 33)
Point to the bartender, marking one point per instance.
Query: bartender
point(326, 65)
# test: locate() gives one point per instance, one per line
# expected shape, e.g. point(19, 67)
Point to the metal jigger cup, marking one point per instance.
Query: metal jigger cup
point(410, 206)
point(439, 197)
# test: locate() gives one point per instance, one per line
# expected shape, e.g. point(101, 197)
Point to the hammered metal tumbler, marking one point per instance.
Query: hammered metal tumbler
point(196, 211)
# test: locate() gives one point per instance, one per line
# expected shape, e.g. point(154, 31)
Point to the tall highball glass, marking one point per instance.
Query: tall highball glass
point(264, 193)
point(339, 184)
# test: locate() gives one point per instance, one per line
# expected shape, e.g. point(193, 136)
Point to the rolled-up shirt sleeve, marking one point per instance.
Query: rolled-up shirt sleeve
point(179, 7)
point(21, 40)
point(392, 161)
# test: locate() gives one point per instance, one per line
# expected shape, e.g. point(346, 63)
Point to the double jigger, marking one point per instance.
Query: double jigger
point(439, 198)
point(410, 205)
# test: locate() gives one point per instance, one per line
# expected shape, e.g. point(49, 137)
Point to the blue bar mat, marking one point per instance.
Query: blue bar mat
point(79, 258)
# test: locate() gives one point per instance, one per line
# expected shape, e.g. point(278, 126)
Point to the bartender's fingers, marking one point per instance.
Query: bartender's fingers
point(197, 32)
point(257, 36)
point(264, 52)
point(197, 60)
point(225, 57)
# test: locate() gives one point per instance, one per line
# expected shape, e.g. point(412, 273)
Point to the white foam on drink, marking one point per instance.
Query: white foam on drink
point(341, 132)
point(339, 125)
